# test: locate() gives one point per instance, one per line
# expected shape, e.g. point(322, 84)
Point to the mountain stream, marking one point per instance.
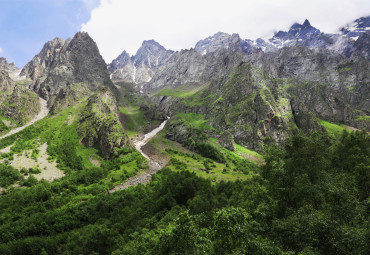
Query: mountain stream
point(154, 166)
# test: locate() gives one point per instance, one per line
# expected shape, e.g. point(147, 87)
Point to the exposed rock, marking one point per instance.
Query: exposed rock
point(357, 27)
point(227, 140)
point(190, 67)
point(10, 68)
point(141, 67)
point(225, 41)
point(99, 125)
point(62, 63)
point(6, 84)
point(17, 102)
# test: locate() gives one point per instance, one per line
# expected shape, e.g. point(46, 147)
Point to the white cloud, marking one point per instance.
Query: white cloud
point(1, 50)
point(118, 25)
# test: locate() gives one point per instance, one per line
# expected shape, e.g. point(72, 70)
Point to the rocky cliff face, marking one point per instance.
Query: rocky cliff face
point(140, 67)
point(99, 124)
point(10, 68)
point(264, 98)
point(191, 67)
point(6, 84)
point(17, 102)
point(73, 71)
point(61, 63)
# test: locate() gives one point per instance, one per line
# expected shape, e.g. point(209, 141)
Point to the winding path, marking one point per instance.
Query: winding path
point(154, 166)
point(44, 111)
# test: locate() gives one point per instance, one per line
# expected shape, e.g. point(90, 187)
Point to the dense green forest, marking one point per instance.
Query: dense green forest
point(310, 197)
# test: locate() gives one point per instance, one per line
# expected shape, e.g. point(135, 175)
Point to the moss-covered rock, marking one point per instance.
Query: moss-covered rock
point(99, 125)
point(227, 140)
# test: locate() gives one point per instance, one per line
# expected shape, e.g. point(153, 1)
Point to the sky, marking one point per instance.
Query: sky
point(117, 25)
point(26, 25)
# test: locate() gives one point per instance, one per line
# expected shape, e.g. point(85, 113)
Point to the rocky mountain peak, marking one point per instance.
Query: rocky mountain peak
point(297, 30)
point(357, 27)
point(226, 41)
point(122, 60)
point(218, 41)
point(50, 51)
point(150, 53)
point(10, 68)
point(64, 62)
point(306, 23)
point(140, 67)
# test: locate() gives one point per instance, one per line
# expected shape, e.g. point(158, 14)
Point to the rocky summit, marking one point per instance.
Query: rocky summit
point(61, 63)
point(140, 67)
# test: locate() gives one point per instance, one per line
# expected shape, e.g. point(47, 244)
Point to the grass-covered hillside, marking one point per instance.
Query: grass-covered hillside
point(308, 197)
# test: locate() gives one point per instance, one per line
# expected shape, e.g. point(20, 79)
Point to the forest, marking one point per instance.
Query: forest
point(310, 197)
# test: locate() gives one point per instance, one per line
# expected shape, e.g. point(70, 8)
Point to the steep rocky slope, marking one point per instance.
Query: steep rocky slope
point(264, 98)
point(99, 125)
point(10, 68)
point(61, 63)
point(17, 103)
point(71, 72)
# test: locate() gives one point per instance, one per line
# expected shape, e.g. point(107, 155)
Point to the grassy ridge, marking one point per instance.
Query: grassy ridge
point(180, 92)
point(333, 130)
point(133, 119)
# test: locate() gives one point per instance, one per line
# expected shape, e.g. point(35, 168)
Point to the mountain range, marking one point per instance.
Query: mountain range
point(284, 83)
point(235, 146)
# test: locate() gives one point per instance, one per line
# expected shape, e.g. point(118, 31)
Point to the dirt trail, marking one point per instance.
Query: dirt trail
point(43, 112)
point(143, 177)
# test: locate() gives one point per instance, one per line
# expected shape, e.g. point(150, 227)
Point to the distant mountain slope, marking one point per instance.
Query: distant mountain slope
point(140, 67)
point(357, 27)
point(152, 58)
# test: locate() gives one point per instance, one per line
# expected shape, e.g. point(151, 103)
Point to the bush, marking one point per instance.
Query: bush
point(209, 151)
point(8, 175)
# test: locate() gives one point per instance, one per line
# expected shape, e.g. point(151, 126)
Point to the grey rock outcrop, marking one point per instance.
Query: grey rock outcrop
point(10, 68)
point(191, 67)
point(227, 140)
point(61, 63)
point(17, 102)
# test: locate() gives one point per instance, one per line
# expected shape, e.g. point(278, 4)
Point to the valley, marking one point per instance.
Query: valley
point(235, 146)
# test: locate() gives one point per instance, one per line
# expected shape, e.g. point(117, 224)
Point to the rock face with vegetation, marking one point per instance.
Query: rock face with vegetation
point(17, 102)
point(70, 72)
point(99, 125)
point(265, 98)
point(10, 68)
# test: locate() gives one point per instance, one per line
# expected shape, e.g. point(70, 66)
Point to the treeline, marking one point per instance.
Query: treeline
point(312, 197)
